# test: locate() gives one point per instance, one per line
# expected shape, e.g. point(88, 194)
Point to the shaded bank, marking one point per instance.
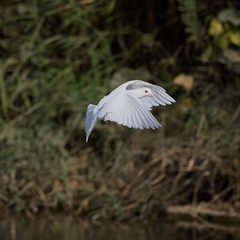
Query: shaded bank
point(220, 217)
point(136, 182)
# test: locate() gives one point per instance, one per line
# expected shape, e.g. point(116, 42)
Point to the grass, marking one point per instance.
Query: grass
point(58, 57)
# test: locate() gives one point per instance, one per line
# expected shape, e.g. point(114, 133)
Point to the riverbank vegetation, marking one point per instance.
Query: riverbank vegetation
point(56, 57)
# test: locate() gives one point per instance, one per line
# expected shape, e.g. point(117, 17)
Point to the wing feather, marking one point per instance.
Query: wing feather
point(135, 120)
point(128, 110)
point(91, 120)
point(151, 120)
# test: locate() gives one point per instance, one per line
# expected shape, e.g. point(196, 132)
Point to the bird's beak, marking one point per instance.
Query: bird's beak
point(151, 95)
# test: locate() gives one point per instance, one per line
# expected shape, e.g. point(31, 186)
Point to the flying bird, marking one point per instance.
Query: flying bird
point(130, 105)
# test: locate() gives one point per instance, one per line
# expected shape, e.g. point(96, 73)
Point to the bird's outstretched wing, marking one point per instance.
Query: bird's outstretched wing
point(128, 110)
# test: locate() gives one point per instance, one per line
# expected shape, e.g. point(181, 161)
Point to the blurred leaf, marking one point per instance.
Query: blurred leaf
point(234, 37)
point(231, 55)
point(223, 41)
point(187, 101)
point(206, 54)
point(111, 6)
point(231, 58)
point(230, 15)
point(184, 80)
point(215, 28)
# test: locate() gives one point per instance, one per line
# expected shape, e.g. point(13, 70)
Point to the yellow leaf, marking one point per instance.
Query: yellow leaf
point(215, 28)
point(184, 80)
point(223, 41)
point(187, 101)
point(234, 37)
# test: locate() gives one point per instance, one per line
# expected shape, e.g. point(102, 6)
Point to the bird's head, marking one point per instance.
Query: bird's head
point(145, 92)
point(142, 92)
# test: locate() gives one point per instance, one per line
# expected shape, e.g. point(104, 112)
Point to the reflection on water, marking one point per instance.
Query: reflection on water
point(65, 228)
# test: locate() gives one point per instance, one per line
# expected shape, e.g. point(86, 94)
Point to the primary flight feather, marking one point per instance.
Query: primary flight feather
point(130, 105)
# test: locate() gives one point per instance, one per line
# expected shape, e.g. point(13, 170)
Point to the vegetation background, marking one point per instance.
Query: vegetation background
point(58, 56)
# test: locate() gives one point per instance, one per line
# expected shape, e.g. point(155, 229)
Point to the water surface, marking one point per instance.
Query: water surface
point(65, 228)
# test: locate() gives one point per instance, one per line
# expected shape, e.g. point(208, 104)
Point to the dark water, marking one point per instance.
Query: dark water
point(65, 228)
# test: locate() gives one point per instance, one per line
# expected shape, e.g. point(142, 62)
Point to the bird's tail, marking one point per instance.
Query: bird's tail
point(91, 120)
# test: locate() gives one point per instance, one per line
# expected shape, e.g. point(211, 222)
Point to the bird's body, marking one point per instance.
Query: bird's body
point(129, 105)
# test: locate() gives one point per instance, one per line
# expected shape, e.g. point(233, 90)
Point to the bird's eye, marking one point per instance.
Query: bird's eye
point(146, 91)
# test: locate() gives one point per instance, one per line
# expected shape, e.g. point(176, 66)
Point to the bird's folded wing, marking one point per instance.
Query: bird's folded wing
point(129, 111)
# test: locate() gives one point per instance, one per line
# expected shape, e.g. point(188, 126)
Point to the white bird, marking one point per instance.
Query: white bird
point(129, 105)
